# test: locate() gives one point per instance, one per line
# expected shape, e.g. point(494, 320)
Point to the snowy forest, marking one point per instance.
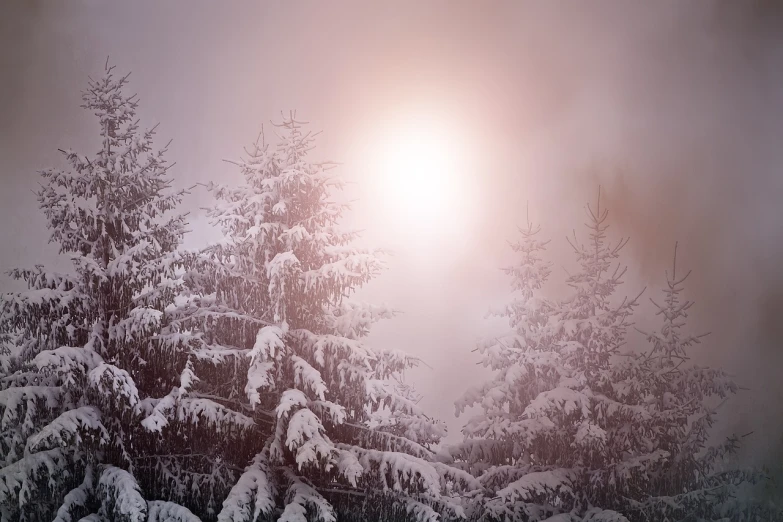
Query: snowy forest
point(233, 382)
point(391, 262)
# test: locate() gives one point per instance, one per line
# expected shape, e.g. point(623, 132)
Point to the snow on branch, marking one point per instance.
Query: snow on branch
point(18, 481)
point(301, 497)
point(216, 416)
point(335, 348)
point(542, 484)
point(114, 382)
point(269, 347)
point(69, 429)
point(385, 441)
point(77, 498)
point(253, 495)
point(67, 361)
point(459, 479)
point(562, 401)
point(422, 512)
point(163, 511)
point(12, 399)
point(306, 437)
point(353, 320)
point(398, 471)
point(308, 377)
point(120, 495)
point(194, 412)
point(604, 515)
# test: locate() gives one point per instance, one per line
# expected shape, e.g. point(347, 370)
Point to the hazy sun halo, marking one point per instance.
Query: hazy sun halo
point(419, 181)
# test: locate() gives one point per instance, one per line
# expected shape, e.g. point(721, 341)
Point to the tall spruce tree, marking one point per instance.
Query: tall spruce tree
point(71, 442)
point(337, 434)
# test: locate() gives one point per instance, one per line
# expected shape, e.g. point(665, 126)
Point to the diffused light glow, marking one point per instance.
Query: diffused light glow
point(419, 183)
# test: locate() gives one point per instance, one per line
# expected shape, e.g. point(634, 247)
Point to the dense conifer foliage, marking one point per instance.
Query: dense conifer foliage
point(235, 383)
point(226, 384)
point(274, 335)
point(576, 425)
point(84, 342)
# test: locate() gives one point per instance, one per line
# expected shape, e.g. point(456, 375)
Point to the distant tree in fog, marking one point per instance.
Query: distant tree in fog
point(573, 428)
point(697, 480)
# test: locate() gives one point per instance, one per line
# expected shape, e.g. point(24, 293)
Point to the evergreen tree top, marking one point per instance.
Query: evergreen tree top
point(71, 438)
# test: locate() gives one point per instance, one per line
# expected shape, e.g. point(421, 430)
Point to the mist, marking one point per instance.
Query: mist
point(673, 109)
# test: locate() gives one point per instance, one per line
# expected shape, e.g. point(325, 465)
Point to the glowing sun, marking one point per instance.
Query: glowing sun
point(419, 182)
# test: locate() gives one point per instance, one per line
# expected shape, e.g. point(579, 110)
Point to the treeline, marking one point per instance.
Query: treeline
point(232, 383)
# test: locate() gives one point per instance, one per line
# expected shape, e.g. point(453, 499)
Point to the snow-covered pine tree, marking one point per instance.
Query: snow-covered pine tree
point(7, 354)
point(550, 423)
point(273, 336)
point(695, 480)
point(572, 430)
point(71, 443)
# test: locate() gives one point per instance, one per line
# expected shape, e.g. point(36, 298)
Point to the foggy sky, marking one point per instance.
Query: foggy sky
point(675, 109)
